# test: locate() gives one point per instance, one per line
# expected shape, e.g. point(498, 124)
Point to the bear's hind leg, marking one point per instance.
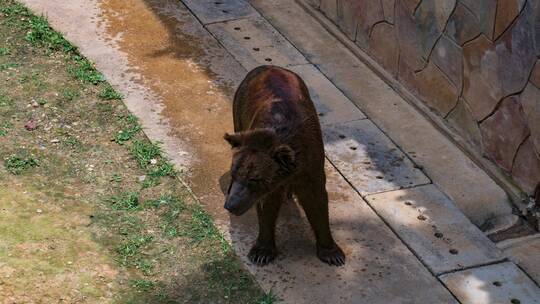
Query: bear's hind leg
point(264, 250)
point(314, 200)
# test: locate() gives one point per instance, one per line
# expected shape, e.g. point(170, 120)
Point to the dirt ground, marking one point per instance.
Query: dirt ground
point(90, 212)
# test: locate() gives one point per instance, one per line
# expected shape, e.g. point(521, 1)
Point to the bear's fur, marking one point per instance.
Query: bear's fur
point(277, 152)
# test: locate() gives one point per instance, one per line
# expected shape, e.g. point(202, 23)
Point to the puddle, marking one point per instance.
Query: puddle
point(184, 66)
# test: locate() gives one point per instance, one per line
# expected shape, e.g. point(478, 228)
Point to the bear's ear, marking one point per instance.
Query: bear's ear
point(235, 140)
point(285, 157)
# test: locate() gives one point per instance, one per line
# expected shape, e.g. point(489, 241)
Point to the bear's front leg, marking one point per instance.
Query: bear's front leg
point(264, 250)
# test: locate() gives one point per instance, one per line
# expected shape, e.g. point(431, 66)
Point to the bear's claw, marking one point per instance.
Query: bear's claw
point(261, 255)
point(333, 256)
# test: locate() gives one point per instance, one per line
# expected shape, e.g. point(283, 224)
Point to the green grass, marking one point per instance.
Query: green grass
point(17, 164)
point(70, 94)
point(83, 70)
point(132, 128)
point(4, 51)
point(4, 128)
point(109, 93)
point(42, 35)
point(127, 201)
point(143, 285)
point(154, 232)
point(130, 253)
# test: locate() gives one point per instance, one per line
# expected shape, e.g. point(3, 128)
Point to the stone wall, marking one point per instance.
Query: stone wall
point(475, 63)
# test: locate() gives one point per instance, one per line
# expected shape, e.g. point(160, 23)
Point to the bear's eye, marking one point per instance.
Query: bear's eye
point(255, 181)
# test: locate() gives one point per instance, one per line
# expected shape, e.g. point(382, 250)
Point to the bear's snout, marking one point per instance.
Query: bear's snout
point(238, 199)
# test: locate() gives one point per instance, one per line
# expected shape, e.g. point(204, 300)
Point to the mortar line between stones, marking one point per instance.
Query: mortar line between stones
point(528, 275)
point(499, 261)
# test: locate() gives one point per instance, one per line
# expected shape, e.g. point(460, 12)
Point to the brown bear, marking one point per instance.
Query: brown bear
point(278, 152)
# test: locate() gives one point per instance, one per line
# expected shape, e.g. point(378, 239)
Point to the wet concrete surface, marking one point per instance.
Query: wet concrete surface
point(435, 229)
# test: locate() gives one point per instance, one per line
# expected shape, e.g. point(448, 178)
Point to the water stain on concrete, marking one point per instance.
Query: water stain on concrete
point(184, 66)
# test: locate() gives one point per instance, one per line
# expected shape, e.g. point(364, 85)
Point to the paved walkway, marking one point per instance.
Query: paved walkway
point(397, 186)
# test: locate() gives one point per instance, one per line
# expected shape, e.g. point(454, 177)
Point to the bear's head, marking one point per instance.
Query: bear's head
point(260, 164)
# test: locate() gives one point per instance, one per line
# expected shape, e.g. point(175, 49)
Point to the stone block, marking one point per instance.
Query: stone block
point(504, 131)
point(431, 17)
point(332, 106)
point(434, 228)
point(388, 9)
point(408, 37)
point(535, 76)
point(368, 159)
point(210, 11)
point(484, 10)
point(493, 284)
point(368, 14)
point(437, 90)
point(507, 11)
point(492, 71)
point(348, 15)
point(329, 9)
point(411, 5)
point(383, 46)
point(530, 101)
point(462, 120)
point(255, 42)
point(448, 57)
point(519, 250)
point(314, 3)
point(462, 25)
point(526, 169)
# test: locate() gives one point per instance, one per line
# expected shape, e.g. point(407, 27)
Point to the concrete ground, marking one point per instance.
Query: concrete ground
point(403, 198)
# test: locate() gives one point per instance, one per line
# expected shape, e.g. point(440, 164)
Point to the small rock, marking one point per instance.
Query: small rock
point(39, 211)
point(31, 125)
point(35, 104)
point(55, 141)
point(153, 161)
point(142, 178)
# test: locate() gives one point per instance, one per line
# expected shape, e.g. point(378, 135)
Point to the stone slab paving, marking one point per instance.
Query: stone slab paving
point(368, 159)
point(434, 228)
point(473, 191)
point(255, 42)
point(494, 284)
point(525, 252)
point(379, 269)
point(332, 106)
point(211, 11)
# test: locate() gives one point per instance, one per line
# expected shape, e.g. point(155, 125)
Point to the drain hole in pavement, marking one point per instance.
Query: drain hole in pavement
point(378, 177)
point(438, 235)
point(268, 59)
point(421, 217)
point(515, 301)
point(237, 28)
point(342, 136)
point(218, 3)
point(256, 49)
point(247, 37)
point(408, 203)
point(453, 251)
point(225, 12)
point(321, 114)
point(353, 148)
point(497, 283)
